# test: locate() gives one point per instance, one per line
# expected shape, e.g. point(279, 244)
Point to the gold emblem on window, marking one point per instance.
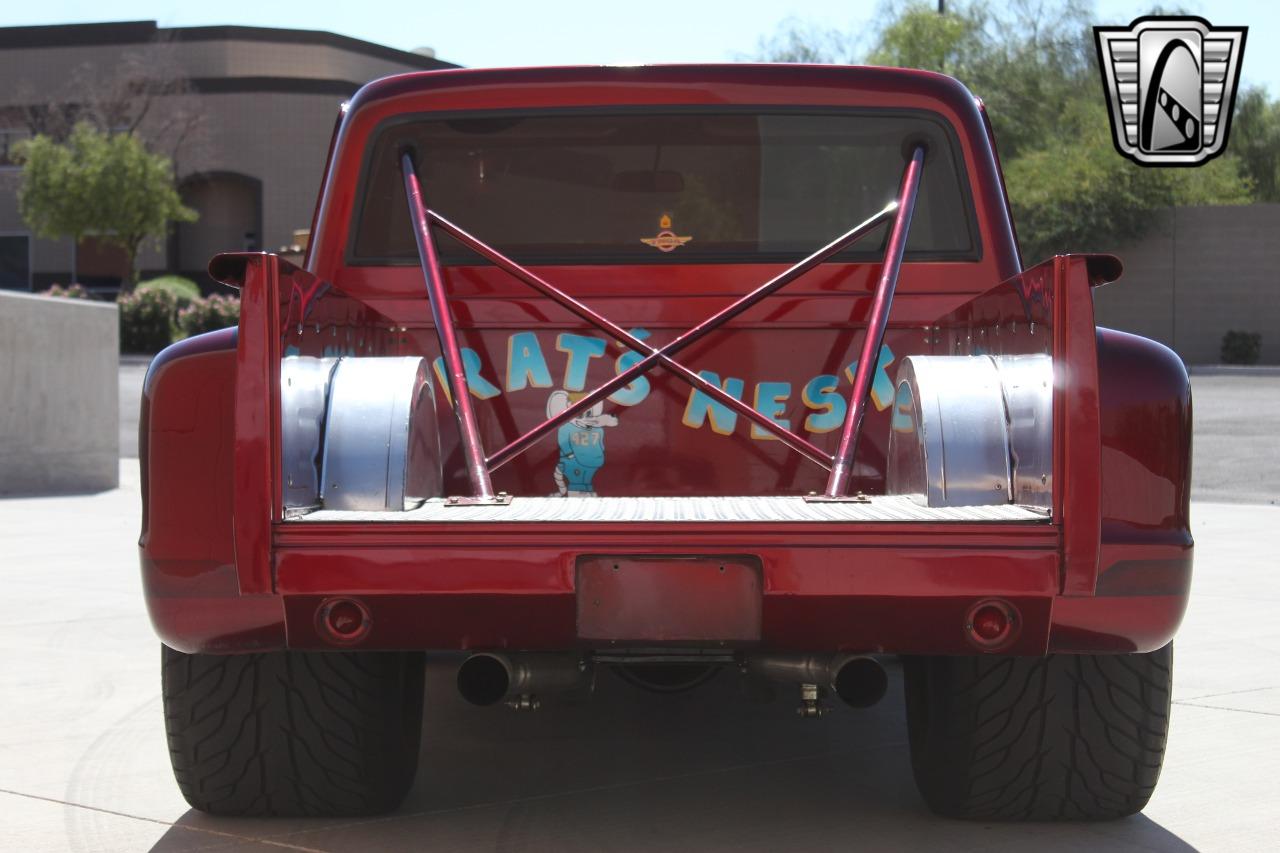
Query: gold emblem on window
point(665, 240)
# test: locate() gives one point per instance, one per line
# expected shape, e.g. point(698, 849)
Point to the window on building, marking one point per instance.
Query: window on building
point(9, 138)
point(100, 264)
point(15, 261)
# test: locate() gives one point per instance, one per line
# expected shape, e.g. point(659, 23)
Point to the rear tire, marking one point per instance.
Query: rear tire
point(1063, 737)
point(294, 733)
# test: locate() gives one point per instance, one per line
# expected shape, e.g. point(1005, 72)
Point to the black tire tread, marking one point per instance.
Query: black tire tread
point(1063, 737)
point(293, 733)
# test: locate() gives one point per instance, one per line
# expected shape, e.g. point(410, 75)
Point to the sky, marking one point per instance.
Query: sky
point(478, 33)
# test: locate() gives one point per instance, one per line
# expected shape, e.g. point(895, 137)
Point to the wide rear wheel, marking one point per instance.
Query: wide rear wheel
point(294, 733)
point(1062, 737)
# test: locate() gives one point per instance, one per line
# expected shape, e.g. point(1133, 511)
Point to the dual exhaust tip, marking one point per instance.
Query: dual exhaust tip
point(860, 681)
point(490, 678)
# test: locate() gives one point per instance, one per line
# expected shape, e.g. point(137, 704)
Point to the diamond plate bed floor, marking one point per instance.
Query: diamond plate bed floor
point(690, 509)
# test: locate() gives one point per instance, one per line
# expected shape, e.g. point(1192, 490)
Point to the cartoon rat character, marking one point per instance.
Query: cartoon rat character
point(581, 445)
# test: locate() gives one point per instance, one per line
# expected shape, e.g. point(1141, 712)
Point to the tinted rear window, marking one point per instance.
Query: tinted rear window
point(592, 188)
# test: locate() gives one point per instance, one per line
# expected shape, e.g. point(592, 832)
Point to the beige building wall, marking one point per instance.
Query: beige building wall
point(269, 100)
point(1201, 272)
point(278, 139)
point(38, 65)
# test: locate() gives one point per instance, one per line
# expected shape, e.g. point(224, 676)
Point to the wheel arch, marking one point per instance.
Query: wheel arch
point(1146, 549)
point(186, 546)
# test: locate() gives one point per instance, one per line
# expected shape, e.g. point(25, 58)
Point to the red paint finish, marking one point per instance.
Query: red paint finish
point(345, 621)
point(877, 323)
point(1076, 436)
point(490, 586)
point(257, 423)
point(187, 550)
point(1090, 625)
point(687, 338)
point(1049, 309)
point(651, 451)
point(871, 588)
point(992, 625)
point(224, 573)
point(1146, 440)
point(1146, 549)
point(442, 319)
point(625, 338)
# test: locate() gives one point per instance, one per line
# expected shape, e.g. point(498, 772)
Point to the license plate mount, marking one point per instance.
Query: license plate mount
point(703, 600)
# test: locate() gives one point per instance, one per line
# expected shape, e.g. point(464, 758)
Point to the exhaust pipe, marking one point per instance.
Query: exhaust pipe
point(859, 680)
point(487, 678)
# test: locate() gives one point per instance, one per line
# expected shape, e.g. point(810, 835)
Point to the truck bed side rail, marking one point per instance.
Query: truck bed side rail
point(276, 297)
point(1054, 300)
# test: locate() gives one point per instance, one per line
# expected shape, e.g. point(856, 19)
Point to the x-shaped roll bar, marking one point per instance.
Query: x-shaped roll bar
point(480, 467)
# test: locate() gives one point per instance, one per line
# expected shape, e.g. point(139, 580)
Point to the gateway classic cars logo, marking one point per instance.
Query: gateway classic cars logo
point(1170, 85)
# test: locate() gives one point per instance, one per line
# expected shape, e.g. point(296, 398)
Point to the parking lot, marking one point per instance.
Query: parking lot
point(83, 763)
point(1237, 435)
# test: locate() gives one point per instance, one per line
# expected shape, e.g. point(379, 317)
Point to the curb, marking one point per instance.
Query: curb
point(135, 360)
point(1234, 370)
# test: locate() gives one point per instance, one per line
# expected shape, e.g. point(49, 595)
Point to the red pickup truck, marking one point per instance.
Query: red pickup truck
point(667, 371)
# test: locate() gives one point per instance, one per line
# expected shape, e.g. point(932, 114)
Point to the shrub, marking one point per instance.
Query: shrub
point(1241, 347)
point(208, 315)
point(146, 320)
point(184, 290)
point(71, 291)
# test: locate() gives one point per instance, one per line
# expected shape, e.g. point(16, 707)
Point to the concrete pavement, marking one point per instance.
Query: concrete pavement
point(83, 763)
point(133, 369)
point(1237, 435)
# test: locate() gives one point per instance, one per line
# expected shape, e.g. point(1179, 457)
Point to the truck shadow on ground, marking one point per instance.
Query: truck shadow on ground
point(714, 769)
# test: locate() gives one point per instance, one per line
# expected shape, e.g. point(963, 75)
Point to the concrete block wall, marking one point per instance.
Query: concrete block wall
point(59, 406)
point(1199, 273)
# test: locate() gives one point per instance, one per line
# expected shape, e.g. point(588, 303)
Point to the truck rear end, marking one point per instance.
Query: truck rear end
point(667, 371)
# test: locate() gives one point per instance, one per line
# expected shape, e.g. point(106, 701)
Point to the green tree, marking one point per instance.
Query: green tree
point(798, 41)
point(1034, 64)
point(1255, 140)
point(99, 184)
point(1075, 193)
point(921, 38)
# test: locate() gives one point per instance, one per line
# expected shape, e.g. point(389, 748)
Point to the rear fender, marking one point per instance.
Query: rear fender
point(187, 548)
point(1144, 565)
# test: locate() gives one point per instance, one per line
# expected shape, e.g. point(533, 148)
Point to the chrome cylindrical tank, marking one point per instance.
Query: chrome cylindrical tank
point(358, 433)
point(972, 430)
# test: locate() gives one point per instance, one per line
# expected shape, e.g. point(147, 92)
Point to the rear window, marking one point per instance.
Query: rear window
point(674, 187)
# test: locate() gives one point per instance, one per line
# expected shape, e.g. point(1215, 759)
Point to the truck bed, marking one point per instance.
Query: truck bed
point(688, 509)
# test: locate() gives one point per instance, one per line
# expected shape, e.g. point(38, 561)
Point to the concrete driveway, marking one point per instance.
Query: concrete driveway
point(1237, 435)
point(133, 370)
point(83, 763)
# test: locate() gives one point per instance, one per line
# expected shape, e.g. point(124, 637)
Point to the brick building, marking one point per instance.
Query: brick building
point(260, 105)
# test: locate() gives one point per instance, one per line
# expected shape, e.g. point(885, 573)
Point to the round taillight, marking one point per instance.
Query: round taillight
point(343, 620)
point(991, 624)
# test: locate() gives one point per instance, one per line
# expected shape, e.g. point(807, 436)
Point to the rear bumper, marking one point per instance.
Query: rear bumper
point(876, 589)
